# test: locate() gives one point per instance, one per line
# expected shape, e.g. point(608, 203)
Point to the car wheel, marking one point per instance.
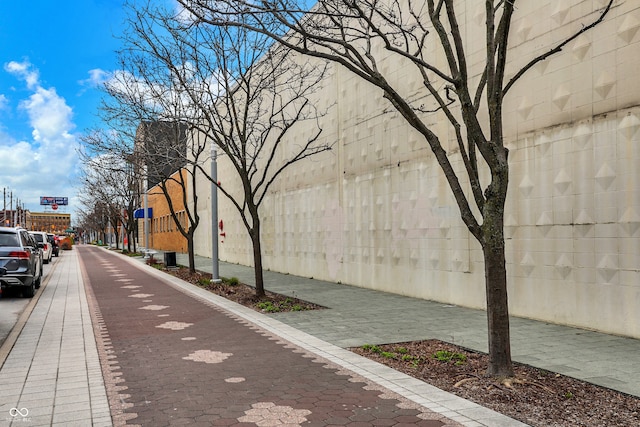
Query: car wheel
point(38, 281)
point(29, 292)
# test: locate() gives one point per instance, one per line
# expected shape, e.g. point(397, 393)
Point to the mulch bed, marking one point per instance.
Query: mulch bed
point(536, 397)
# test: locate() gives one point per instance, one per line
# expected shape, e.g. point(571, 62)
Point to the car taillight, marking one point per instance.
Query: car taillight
point(19, 254)
point(46, 247)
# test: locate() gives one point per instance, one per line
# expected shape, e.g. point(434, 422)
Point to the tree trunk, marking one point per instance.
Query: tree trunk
point(493, 248)
point(191, 251)
point(497, 309)
point(257, 256)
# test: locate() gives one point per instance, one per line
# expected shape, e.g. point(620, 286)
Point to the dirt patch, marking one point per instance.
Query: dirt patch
point(536, 397)
point(243, 294)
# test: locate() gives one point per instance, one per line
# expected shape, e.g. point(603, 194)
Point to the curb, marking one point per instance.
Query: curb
point(11, 339)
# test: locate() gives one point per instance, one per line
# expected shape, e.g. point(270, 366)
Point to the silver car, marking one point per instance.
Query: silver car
point(20, 261)
point(43, 242)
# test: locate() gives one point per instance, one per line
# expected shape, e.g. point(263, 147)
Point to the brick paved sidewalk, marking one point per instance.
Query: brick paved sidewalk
point(172, 359)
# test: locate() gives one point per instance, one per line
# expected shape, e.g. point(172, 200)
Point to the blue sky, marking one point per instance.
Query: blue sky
point(53, 56)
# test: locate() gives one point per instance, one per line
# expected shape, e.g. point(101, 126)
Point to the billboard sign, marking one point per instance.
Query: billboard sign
point(49, 201)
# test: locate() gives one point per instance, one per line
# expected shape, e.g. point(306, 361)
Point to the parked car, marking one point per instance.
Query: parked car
point(20, 261)
point(53, 240)
point(43, 242)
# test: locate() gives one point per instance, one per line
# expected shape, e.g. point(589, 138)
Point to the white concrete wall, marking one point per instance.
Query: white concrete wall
point(376, 211)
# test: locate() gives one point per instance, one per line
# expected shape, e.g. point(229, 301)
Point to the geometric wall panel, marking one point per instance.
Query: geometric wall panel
point(581, 46)
point(560, 12)
point(561, 96)
point(605, 176)
point(522, 33)
point(459, 262)
point(629, 126)
point(434, 260)
point(628, 29)
point(545, 218)
point(510, 226)
point(526, 186)
point(564, 266)
point(604, 84)
point(607, 268)
point(544, 224)
point(583, 218)
point(582, 136)
point(630, 222)
point(562, 181)
point(528, 264)
point(525, 108)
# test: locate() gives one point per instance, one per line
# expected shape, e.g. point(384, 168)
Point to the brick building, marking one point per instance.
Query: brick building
point(163, 232)
point(51, 222)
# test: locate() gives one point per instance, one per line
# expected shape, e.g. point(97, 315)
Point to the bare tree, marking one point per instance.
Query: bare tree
point(110, 191)
point(92, 217)
point(360, 36)
point(140, 159)
point(235, 93)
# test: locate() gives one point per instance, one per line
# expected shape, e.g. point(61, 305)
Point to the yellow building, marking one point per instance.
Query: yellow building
point(51, 222)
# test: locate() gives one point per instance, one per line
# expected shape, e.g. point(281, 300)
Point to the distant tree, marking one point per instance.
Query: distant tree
point(110, 190)
point(92, 218)
point(361, 35)
point(231, 91)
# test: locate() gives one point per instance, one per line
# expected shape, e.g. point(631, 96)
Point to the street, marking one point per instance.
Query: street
point(12, 304)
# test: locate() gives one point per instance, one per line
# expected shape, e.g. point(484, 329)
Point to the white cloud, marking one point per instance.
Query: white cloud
point(97, 77)
point(182, 14)
point(24, 71)
point(45, 165)
point(4, 102)
point(49, 115)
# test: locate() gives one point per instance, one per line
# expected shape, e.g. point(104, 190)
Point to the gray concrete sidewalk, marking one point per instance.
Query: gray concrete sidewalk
point(51, 375)
point(360, 316)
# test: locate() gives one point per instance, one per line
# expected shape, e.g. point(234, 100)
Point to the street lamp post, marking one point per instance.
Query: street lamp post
point(146, 218)
point(215, 272)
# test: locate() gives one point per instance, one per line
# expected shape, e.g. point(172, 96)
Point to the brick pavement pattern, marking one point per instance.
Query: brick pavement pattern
point(171, 359)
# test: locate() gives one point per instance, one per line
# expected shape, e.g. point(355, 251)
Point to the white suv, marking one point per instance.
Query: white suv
point(43, 242)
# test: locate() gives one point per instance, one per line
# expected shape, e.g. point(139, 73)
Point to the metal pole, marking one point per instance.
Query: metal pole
point(215, 272)
point(146, 218)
